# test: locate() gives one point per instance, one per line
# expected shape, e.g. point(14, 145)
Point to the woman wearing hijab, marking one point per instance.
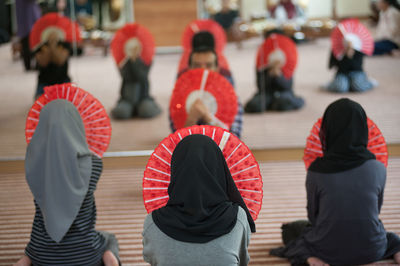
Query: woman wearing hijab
point(344, 197)
point(205, 221)
point(62, 176)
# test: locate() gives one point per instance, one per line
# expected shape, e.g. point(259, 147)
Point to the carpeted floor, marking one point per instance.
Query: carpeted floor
point(99, 75)
point(120, 210)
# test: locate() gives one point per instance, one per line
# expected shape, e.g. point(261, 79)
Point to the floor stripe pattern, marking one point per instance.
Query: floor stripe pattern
point(121, 211)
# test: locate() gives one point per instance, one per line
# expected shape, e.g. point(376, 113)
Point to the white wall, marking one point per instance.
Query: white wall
point(250, 7)
point(315, 8)
point(347, 8)
point(319, 8)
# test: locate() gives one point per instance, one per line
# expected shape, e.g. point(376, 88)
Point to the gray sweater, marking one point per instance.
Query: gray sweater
point(230, 249)
point(343, 209)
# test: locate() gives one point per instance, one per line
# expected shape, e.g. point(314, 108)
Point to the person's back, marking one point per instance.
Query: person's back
point(205, 220)
point(348, 213)
point(230, 249)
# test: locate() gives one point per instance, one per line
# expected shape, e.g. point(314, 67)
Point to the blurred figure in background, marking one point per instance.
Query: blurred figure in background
point(350, 75)
point(52, 59)
point(230, 20)
point(27, 11)
point(135, 99)
point(388, 29)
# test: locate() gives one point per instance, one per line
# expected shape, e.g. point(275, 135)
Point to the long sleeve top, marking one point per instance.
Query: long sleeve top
point(343, 209)
point(82, 244)
point(389, 25)
point(347, 64)
point(230, 249)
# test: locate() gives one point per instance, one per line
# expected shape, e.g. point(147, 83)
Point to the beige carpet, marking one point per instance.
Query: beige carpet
point(120, 210)
point(99, 75)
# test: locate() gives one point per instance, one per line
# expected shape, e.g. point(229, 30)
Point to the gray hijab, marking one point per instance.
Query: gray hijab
point(58, 166)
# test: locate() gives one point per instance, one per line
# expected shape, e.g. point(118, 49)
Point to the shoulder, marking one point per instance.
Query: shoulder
point(148, 223)
point(242, 218)
point(375, 166)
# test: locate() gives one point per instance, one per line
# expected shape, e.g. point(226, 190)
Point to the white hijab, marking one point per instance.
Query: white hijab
point(58, 166)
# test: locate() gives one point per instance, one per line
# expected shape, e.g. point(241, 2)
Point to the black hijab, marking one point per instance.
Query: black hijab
point(344, 138)
point(203, 198)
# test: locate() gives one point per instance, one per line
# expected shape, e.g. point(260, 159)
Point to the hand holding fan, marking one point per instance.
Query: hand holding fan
point(376, 144)
point(94, 116)
point(241, 162)
point(214, 90)
point(278, 48)
point(130, 40)
point(53, 24)
point(351, 31)
point(204, 25)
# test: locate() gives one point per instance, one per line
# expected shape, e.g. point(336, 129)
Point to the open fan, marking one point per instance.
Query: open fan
point(351, 30)
point(184, 62)
point(65, 29)
point(376, 143)
point(204, 25)
point(94, 116)
point(278, 47)
point(241, 162)
point(212, 88)
point(132, 36)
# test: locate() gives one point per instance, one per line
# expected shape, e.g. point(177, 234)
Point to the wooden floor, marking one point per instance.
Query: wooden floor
point(120, 209)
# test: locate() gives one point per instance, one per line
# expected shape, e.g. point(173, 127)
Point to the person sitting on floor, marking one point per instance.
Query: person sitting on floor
point(350, 75)
point(275, 91)
point(205, 221)
point(388, 29)
point(135, 99)
point(62, 176)
point(345, 191)
point(206, 57)
point(230, 20)
point(52, 59)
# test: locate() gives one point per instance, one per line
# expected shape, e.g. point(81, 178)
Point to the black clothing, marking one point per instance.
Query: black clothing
point(346, 64)
point(344, 138)
point(274, 94)
point(135, 97)
point(226, 19)
point(203, 198)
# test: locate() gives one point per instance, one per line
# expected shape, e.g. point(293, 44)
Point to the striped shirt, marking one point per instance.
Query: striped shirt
point(81, 245)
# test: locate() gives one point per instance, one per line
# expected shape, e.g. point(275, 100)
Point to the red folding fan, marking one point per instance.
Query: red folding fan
point(376, 143)
point(278, 47)
point(126, 37)
point(351, 30)
point(212, 88)
point(66, 30)
point(241, 162)
point(94, 116)
point(184, 62)
point(204, 25)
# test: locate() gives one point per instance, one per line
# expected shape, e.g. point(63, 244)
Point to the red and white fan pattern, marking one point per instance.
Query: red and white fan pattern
point(94, 116)
point(241, 162)
point(376, 144)
point(66, 30)
point(278, 47)
point(132, 34)
point(353, 31)
point(212, 88)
